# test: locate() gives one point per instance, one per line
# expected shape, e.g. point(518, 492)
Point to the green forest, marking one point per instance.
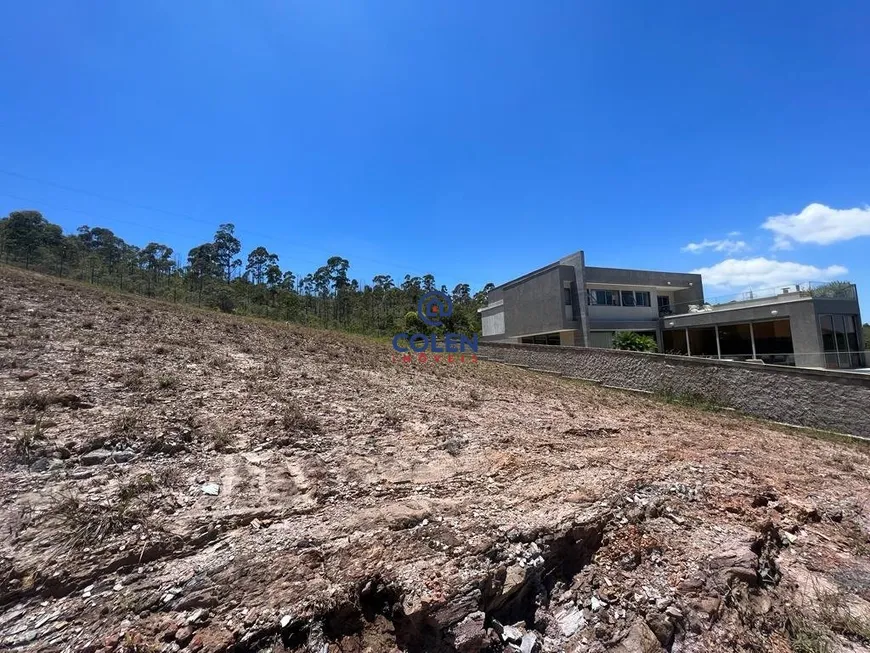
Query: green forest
point(217, 274)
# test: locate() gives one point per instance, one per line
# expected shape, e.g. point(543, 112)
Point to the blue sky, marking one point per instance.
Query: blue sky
point(475, 141)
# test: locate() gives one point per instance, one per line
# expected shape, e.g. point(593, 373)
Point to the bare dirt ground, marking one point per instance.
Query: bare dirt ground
point(175, 479)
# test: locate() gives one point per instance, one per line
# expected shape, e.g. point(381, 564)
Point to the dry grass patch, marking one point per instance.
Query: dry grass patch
point(828, 618)
point(34, 399)
point(167, 382)
point(29, 442)
point(85, 522)
point(134, 378)
point(294, 419)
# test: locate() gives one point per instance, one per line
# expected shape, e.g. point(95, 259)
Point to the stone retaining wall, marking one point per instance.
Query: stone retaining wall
point(823, 399)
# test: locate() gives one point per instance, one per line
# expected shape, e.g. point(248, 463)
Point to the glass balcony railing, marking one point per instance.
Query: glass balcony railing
point(814, 289)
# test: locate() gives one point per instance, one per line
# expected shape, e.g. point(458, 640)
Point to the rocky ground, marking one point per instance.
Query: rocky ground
point(179, 480)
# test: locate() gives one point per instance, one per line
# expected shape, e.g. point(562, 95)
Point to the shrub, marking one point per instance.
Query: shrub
point(413, 323)
point(834, 290)
point(631, 341)
point(225, 303)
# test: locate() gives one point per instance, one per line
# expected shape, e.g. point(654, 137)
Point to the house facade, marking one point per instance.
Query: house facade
point(570, 303)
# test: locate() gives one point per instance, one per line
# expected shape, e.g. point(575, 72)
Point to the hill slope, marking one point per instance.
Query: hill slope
point(182, 480)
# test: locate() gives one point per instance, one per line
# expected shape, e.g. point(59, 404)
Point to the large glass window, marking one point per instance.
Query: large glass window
point(702, 341)
point(840, 341)
point(735, 341)
point(773, 342)
point(674, 342)
point(603, 297)
point(852, 340)
point(840, 338)
point(618, 298)
point(826, 323)
point(543, 339)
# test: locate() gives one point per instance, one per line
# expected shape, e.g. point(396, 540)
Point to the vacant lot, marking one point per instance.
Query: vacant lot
point(181, 480)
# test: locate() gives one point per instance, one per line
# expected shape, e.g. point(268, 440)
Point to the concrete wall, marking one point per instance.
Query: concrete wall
point(823, 399)
point(739, 315)
point(535, 303)
point(492, 321)
point(840, 306)
point(604, 276)
point(601, 339)
point(577, 262)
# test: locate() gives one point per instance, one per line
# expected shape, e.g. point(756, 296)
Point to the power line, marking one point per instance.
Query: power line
point(104, 219)
point(90, 214)
point(241, 230)
point(104, 197)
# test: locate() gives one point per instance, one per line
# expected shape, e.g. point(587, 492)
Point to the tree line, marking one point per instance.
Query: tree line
point(215, 274)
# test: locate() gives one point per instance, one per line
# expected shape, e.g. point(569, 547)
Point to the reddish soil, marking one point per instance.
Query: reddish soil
point(365, 504)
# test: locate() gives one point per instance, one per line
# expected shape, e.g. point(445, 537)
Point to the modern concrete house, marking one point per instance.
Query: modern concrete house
point(569, 303)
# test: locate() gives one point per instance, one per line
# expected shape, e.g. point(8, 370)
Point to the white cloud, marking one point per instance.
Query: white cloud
point(762, 272)
point(818, 224)
point(725, 245)
point(733, 234)
point(781, 243)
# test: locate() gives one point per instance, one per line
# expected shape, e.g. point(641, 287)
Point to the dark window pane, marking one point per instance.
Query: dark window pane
point(628, 298)
point(773, 342)
point(840, 337)
point(664, 305)
point(643, 298)
point(735, 341)
point(674, 342)
point(827, 327)
point(852, 333)
point(702, 341)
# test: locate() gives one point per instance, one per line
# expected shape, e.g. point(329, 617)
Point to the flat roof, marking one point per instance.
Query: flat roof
point(739, 304)
point(562, 262)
